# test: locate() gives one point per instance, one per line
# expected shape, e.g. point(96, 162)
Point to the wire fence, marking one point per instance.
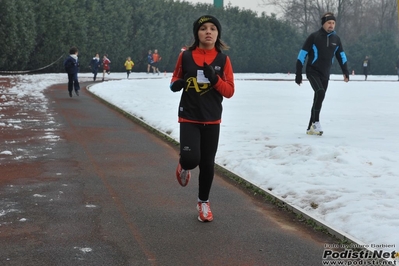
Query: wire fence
point(33, 70)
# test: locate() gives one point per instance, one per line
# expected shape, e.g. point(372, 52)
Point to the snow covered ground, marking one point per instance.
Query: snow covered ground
point(347, 178)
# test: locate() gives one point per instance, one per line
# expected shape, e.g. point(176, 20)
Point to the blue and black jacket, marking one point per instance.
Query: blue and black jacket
point(71, 65)
point(320, 48)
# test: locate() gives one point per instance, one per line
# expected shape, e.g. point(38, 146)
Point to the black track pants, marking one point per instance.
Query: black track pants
point(319, 87)
point(198, 146)
point(73, 82)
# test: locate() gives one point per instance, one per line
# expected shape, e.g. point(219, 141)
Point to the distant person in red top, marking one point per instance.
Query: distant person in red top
point(205, 75)
point(156, 58)
point(106, 65)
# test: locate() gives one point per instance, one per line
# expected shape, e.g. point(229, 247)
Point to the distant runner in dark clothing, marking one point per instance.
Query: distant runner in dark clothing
point(366, 66)
point(319, 49)
point(95, 65)
point(397, 67)
point(150, 62)
point(71, 65)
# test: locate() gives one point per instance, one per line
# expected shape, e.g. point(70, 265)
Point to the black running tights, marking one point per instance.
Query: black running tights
point(319, 87)
point(73, 82)
point(198, 146)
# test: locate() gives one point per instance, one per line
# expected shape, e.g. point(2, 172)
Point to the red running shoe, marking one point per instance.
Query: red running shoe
point(183, 176)
point(204, 212)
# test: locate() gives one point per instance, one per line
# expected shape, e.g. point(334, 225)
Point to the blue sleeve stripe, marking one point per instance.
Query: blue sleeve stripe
point(316, 53)
point(343, 56)
point(302, 56)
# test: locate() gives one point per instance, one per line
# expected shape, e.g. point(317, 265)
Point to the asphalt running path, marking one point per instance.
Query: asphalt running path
point(106, 194)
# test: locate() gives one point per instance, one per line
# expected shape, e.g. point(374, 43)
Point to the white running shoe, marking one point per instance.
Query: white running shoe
point(315, 129)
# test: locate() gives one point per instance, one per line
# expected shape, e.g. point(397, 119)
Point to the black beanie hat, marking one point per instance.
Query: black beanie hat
point(327, 18)
point(203, 19)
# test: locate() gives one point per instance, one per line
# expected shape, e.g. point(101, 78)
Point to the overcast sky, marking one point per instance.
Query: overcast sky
point(255, 5)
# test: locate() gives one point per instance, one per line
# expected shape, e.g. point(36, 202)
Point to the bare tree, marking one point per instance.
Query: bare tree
point(387, 14)
point(306, 14)
point(354, 17)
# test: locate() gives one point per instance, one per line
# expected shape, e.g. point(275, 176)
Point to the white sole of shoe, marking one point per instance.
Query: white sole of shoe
point(314, 133)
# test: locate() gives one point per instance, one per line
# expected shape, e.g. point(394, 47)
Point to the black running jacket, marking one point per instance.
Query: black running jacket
point(320, 48)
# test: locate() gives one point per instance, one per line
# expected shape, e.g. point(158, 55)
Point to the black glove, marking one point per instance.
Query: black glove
point(177, 85)
point(210, 74)
point(298, 79)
